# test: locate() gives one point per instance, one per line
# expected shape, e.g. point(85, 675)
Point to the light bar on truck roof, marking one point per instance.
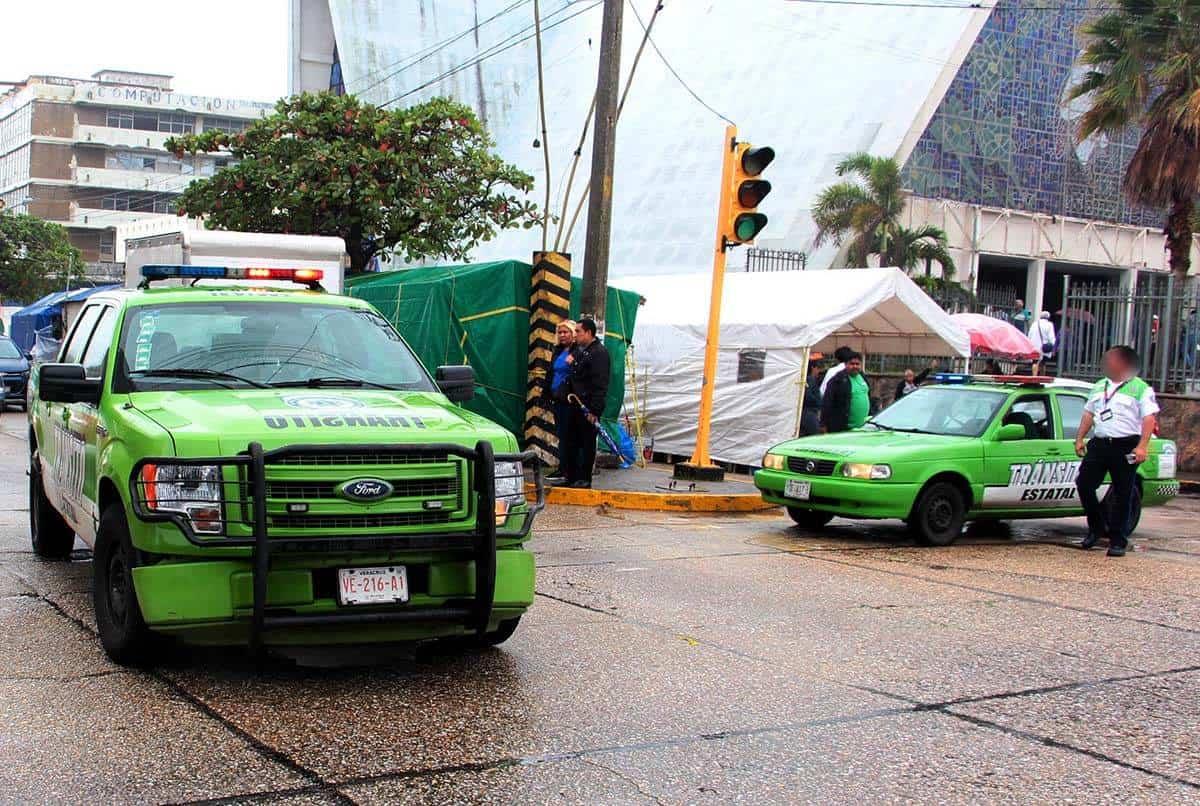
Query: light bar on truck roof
point(309, 277)
point(951, 377)
point(1021, 380)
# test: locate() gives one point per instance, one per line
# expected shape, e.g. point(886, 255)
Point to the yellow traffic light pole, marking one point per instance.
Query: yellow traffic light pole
point(700, 466)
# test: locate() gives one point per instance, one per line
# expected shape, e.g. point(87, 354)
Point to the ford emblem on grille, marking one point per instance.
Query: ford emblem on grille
point(365, 489)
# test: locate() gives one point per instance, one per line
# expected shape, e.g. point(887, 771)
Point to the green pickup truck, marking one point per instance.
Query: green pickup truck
point(273, 467)
point(962, 448)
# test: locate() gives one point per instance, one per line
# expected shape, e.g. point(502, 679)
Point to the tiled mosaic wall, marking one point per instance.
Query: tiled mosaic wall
point(1004, 134)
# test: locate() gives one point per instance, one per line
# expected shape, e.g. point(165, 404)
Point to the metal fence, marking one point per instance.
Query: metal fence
point(1096, 316)
point(775, 260)
point(995, 301)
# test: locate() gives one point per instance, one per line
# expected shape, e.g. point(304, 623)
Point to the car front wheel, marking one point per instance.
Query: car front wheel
point(937, 519)
point(123, 633)
point(809, 518)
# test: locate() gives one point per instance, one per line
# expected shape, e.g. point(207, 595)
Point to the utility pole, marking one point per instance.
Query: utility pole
point(599, 221)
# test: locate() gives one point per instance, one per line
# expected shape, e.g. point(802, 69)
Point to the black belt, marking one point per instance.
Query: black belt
point(1117, 439)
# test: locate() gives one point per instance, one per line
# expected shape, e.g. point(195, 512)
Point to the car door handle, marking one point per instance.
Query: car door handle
point(1053, 450)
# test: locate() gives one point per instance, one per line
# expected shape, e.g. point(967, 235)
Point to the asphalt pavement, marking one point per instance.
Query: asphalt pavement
point(669, 658)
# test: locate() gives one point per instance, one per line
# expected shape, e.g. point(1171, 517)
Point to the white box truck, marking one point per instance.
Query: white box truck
point(205, 247)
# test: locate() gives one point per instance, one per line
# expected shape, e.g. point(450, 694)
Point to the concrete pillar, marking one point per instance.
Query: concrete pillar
point(1129, 281)
point(1035, 287)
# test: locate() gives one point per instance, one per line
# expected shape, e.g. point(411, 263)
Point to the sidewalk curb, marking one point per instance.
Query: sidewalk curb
point(666, 502)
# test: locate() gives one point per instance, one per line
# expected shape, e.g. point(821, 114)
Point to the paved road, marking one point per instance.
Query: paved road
point(667, 659)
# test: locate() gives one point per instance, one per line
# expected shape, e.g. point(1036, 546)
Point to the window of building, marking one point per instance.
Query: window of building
point(164, 205)
point(176, 122)
point(119, 118)
point(227, 125)
point(115, 201)
point(108, 245)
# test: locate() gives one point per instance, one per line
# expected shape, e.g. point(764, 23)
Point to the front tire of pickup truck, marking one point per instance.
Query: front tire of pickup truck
point(123, 632)
point(51, 536)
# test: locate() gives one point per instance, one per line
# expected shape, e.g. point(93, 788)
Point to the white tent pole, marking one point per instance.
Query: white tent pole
point(803, 384)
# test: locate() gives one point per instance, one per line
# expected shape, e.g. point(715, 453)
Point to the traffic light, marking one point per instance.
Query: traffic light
point(746, 192)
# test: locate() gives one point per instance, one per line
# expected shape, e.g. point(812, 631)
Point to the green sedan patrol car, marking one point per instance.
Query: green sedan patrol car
point(964, 448)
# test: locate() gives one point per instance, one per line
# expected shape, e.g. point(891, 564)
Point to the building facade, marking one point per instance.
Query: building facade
point(970, 98)
point(90, 154)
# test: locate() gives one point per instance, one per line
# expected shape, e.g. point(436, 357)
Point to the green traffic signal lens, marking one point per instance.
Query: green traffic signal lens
point(747, 225)
point(755, 160)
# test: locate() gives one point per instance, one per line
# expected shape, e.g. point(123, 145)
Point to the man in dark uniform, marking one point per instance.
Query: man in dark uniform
point(1122, 409)
point(588, 382)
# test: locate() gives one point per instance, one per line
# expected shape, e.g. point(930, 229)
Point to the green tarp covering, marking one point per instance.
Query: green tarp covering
point(478, 314)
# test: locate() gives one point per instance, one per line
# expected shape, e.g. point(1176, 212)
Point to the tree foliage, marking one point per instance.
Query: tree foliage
point(1143, 60)
point(416, 182)
point(36, 257)
point(864, 213)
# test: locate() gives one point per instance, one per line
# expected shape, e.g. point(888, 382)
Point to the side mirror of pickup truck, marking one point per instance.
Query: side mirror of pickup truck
point(67, 383)
point(1010, 432)
point(457, 382)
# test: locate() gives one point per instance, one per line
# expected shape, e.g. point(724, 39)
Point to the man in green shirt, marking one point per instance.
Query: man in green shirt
point(847, 402)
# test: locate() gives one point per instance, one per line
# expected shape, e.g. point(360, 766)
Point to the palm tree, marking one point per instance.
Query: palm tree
point(864, 213)
point(925, 245)
point(1144, 69)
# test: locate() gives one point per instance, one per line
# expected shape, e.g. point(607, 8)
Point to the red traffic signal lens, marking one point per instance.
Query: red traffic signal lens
point(747, 225)
point(755, 160)
point(752, 191)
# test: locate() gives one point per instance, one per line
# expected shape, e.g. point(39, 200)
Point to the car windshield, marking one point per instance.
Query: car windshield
point(949, 410)
point(8, 349)
point(218, 343)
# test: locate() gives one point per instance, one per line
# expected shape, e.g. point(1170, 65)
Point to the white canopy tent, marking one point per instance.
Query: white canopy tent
point(770, 323)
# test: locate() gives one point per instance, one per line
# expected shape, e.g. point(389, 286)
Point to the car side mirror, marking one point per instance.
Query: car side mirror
point(1011, 432)
point(67, 383)
point(456, 382)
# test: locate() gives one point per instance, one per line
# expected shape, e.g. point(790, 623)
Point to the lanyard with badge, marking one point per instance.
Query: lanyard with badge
point(1106, 412)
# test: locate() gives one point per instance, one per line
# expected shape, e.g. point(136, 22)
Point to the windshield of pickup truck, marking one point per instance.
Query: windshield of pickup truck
point(946, 410)
point(205, 345)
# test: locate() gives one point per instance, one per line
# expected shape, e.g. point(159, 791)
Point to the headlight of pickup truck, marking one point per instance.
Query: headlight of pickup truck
point(193, 490)
point(771, 461)
point(510, 488)
point(852, 470)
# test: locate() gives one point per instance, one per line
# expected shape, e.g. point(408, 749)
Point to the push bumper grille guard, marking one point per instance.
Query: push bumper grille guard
point(249, 494)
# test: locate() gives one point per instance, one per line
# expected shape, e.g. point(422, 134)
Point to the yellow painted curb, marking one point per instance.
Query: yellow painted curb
point(668, 502)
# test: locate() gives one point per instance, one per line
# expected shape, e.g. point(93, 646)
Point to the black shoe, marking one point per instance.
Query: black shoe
point(1089, 541)
point(1116, 551)
point(581, 485)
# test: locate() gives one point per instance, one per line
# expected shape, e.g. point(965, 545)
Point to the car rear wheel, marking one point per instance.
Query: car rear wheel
point(937, 519)
point(51, 536)
point(809, 518)
point(123, 633)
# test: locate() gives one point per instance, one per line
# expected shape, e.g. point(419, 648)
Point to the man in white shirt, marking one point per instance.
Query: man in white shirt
point(1043, 335)
point(1121, 409)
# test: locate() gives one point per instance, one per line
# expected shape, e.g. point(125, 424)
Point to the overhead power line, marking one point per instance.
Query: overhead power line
point(494, 50)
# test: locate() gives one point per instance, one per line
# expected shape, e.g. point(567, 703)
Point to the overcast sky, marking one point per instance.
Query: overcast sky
point(232, 48)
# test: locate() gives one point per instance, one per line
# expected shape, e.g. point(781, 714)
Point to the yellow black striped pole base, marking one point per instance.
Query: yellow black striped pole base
point(549, 304)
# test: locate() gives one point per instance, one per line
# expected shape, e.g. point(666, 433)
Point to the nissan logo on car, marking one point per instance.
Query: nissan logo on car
point(365, 490)
point(810, 466)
